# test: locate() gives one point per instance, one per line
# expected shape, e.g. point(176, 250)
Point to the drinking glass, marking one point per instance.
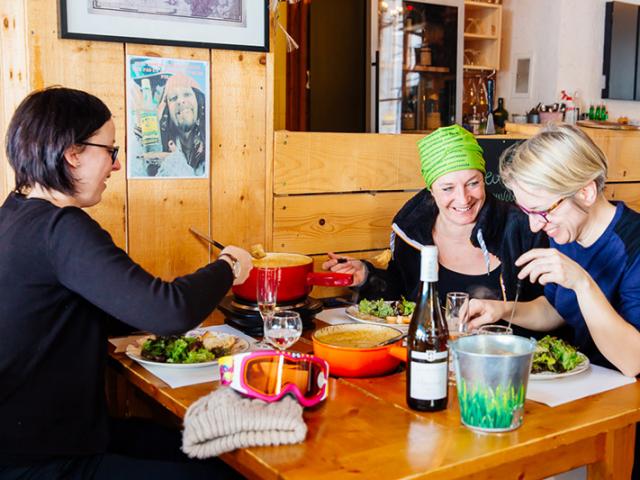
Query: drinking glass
point(456, 314)
point(267, 291)
point(283, 329)
point(495, 330)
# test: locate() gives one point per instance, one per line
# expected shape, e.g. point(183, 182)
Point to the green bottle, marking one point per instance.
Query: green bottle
point(598, 115)
point(500, 115)
point(592, 112)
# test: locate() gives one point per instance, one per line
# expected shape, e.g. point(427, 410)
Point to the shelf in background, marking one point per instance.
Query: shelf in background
point(478, 67)
point(480, 36)
point(428, 69)
point(481, 5)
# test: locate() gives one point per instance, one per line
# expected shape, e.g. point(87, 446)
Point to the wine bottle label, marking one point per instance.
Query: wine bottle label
point(429, 264)
point(428, 375)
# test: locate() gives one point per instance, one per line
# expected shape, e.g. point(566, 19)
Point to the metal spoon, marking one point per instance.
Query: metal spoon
point(515, 301)
point(391, 340)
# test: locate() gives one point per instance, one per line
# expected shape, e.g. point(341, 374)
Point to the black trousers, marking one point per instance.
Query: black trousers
point(138, 449)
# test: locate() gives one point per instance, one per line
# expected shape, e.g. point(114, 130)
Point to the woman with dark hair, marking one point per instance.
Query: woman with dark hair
point(62, 280)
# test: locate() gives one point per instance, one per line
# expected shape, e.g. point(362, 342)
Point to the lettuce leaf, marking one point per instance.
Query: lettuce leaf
point(554, 355)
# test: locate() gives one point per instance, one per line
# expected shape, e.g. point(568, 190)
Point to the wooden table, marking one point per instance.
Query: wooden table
point(365, 430)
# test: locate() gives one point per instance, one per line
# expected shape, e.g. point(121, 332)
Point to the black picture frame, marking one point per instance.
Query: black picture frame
point(248, 30)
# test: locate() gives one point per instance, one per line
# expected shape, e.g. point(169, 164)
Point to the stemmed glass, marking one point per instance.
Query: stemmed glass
point(267, 291)
point(266, 296)
point(495, 330)
point(283, 329)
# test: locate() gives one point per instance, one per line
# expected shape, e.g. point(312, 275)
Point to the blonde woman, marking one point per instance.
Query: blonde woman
point(591, 273)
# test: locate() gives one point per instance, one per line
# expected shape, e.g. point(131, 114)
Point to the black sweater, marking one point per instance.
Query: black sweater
point(505, 230)
point(61, 280)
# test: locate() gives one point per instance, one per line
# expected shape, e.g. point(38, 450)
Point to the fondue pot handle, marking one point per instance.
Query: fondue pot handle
point(329, 279)
point(399, 352)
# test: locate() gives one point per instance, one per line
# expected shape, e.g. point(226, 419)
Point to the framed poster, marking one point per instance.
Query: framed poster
point(167, 118)
point(225, 24)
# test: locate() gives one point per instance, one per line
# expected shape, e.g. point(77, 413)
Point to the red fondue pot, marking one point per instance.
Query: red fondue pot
point(296, 277)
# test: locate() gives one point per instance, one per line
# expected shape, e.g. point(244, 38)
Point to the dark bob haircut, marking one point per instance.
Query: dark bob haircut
point(44, 125)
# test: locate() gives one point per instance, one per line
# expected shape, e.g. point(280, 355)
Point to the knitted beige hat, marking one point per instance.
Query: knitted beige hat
point(224, 420)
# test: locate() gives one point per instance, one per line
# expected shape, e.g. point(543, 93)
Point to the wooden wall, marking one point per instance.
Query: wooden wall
point(150, 218)
point(293, 191)
point(340, 191)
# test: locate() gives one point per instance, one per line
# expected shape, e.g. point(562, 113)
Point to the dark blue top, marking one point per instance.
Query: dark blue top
point(613, 261)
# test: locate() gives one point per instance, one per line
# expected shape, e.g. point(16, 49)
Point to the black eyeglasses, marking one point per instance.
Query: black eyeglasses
point(112, 150)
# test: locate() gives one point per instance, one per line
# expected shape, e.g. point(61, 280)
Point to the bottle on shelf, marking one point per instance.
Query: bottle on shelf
point(427, 349)
point(474, 121)
point(149, 125)
point(409, 114)
point(500, 116)
point(592, 112)
point(570, 108)
point(598, 114)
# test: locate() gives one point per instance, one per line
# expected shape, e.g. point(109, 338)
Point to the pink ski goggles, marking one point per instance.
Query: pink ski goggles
point(269, 375)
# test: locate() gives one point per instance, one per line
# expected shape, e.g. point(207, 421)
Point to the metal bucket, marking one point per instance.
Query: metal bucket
point(492, 372)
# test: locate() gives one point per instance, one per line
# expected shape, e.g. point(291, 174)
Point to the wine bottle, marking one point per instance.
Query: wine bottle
point(427, 353)
point(500, 116)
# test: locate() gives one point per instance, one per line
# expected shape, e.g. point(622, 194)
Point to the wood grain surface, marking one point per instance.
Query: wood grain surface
point(365, 430)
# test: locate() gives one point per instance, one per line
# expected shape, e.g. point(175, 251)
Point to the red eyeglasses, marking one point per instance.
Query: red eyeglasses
point(542, 213)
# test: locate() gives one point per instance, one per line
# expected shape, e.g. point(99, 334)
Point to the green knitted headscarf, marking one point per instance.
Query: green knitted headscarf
point(446, 150)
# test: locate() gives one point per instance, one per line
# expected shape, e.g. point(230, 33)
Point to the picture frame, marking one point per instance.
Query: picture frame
point(219, 24)
point(168, 110)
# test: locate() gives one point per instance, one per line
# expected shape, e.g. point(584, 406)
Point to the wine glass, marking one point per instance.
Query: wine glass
point(266, 297)
point(456, 314)
point(267, 291)
point(283, 329)
point(495, 330)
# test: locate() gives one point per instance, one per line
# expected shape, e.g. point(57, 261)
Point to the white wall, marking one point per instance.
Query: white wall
point(566, 40)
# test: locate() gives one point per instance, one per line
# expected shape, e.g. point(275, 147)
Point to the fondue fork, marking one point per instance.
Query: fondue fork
point(256, 251)
point(207, 238)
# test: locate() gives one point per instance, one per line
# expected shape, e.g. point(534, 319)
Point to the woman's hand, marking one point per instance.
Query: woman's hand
point(482, 312)
point(548, 265)
point(350, 265)
point(244, 260)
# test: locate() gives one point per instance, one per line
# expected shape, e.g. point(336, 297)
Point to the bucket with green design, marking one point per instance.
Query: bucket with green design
point(492, 372)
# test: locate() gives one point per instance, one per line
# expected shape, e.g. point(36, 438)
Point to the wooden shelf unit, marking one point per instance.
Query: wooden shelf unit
point(482, 35)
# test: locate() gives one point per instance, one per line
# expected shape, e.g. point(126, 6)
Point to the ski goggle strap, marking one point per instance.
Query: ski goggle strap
point(269, 375)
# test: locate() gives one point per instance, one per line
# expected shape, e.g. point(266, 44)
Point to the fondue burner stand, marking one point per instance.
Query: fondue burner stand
point(245, 315)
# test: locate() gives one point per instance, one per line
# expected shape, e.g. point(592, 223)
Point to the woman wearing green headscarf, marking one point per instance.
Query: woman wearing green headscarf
point(478, 237)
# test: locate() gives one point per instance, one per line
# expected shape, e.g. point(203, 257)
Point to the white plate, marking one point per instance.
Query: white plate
point(581, 367)
point(241, 345)
point(353, 313)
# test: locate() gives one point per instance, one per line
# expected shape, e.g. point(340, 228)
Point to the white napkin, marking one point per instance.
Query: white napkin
point(180, 377)
point(563, 390)
point(334, 316)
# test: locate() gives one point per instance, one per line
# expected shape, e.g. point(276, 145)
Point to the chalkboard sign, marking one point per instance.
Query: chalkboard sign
point(493, 148)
